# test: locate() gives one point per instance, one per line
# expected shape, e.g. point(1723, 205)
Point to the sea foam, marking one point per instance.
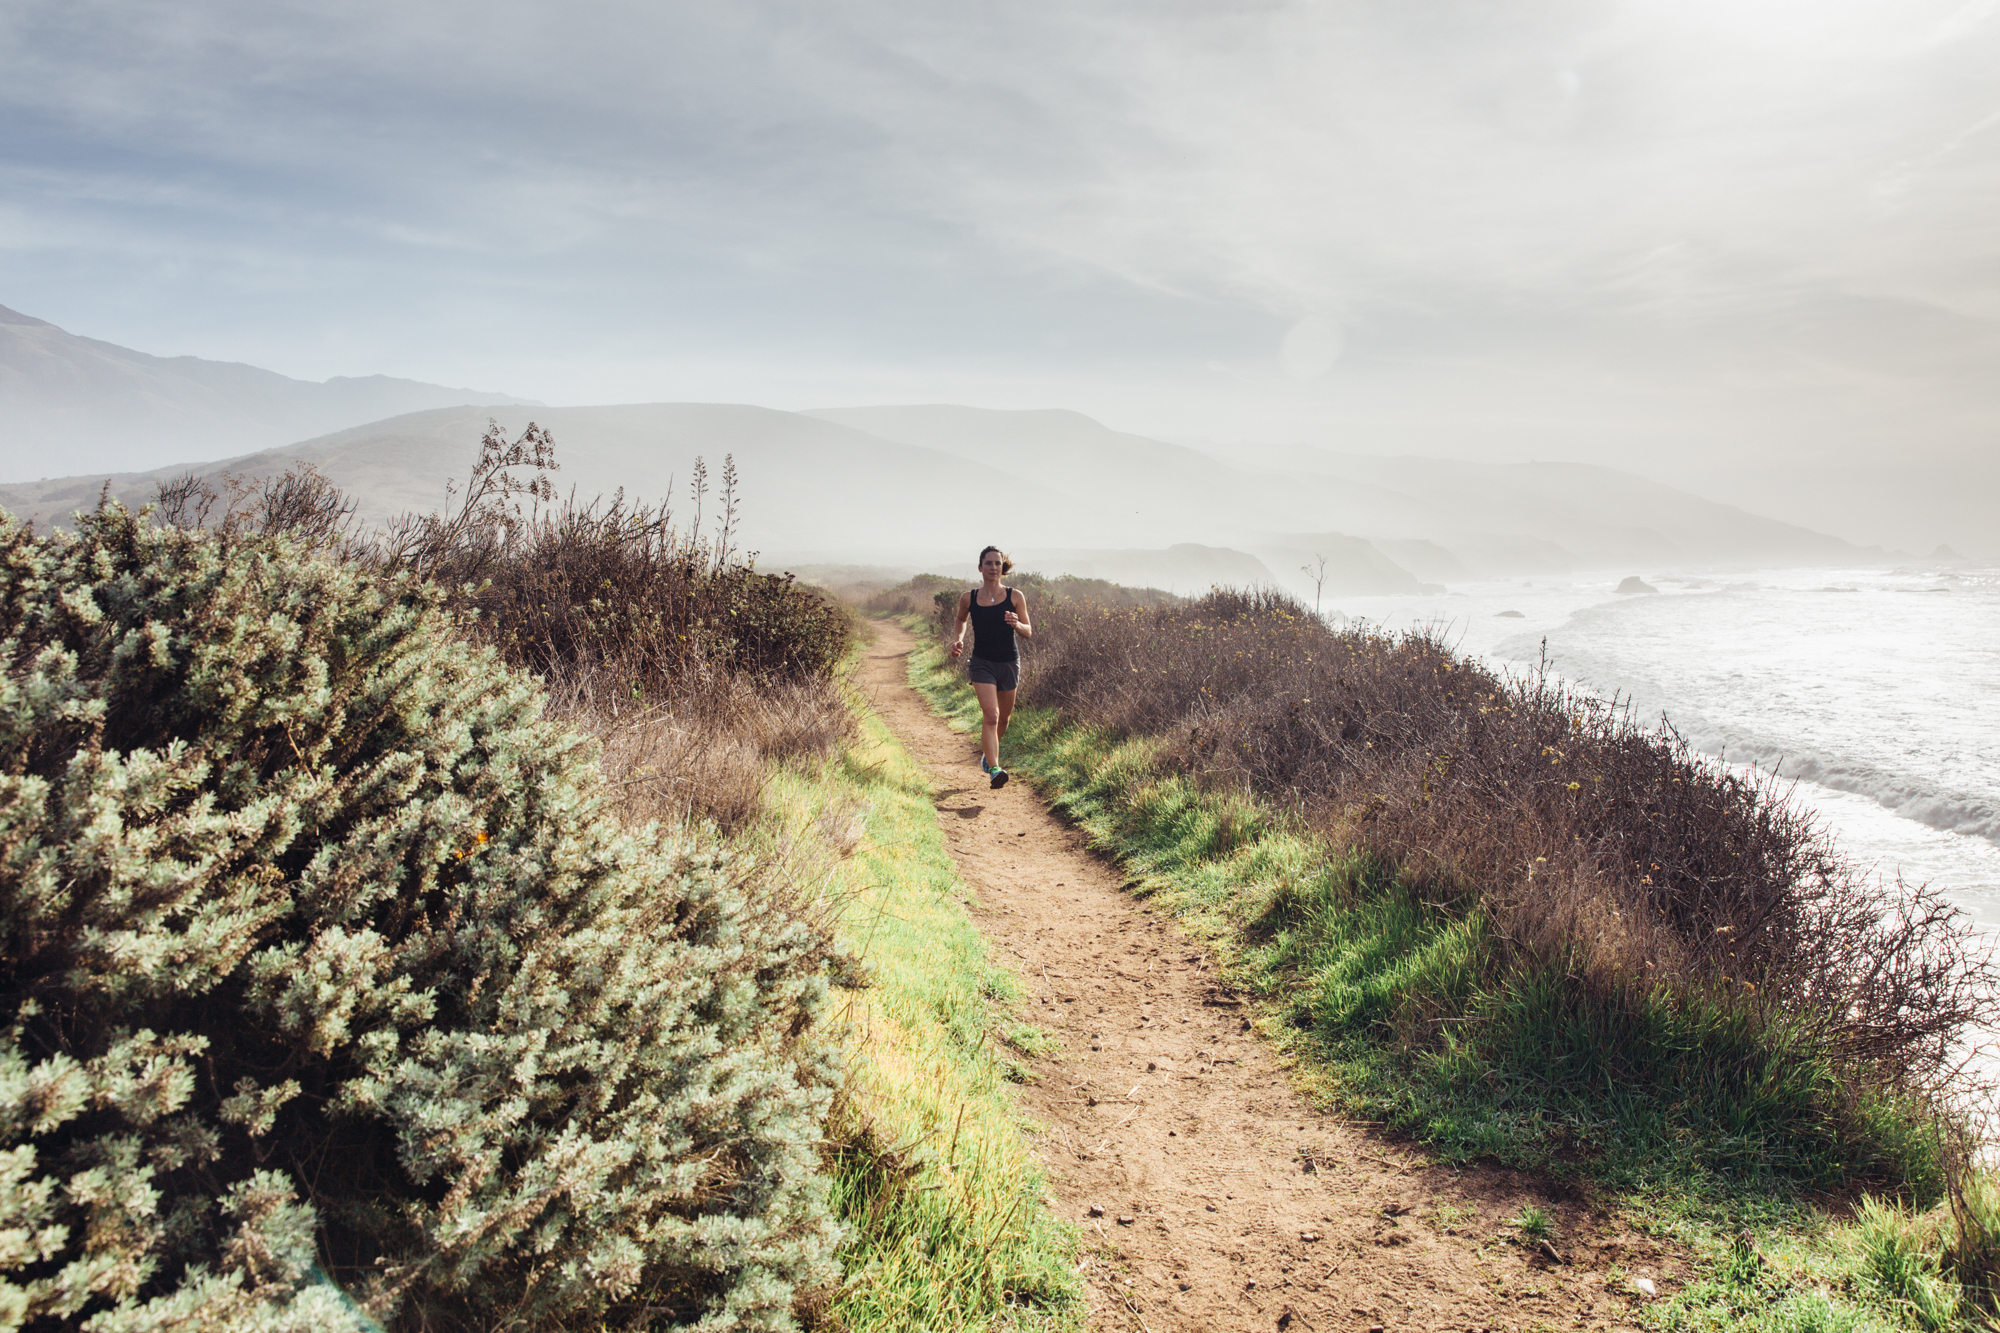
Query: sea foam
point(1877, 691)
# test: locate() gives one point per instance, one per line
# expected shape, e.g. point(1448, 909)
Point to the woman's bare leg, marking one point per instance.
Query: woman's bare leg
point(990, 724)
point(1005, 698)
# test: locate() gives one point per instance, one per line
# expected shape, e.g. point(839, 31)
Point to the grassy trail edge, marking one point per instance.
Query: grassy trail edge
point(948, 1210)
point(1768, 1262)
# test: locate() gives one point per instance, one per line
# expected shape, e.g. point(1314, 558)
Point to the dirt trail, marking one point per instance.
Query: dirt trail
point(1227, 1203)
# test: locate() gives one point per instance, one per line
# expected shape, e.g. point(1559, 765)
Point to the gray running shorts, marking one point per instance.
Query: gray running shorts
point(1000, 675)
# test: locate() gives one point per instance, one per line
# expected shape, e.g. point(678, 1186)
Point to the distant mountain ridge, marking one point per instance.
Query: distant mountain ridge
point(808, 486)
point(72, 403)
point(1456, 518)
point(923, 488)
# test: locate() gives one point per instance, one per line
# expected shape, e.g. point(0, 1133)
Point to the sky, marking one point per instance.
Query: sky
point(1686, 236)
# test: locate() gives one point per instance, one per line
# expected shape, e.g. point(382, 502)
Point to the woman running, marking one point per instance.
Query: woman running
point(997, 614)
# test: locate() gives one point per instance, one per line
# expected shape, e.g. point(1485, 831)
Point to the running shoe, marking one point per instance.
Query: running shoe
point(999, 776)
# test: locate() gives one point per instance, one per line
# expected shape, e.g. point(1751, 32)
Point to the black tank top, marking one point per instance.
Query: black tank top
point(992, 636)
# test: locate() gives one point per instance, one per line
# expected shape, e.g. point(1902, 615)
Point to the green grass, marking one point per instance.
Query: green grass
point(1533, 1222)
point(949, 1215)
point(1889, 1269)
point(1405, 1010)
point(1703, 1125)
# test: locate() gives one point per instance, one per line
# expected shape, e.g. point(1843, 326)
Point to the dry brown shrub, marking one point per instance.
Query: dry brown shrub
point(299, 503)
point(916, 595)
point(1598, 845)
point(937, 594)
point(695, 668)
point(703, 749)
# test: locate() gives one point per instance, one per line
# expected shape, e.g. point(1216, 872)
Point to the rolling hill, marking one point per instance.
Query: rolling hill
point(924, 487)
point(809, 488)
point(1466, 520)
point(73, 403)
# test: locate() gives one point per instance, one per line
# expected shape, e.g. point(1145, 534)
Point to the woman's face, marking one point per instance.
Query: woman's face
point(991, 565)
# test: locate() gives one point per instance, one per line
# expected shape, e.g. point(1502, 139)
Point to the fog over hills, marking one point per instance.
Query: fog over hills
point(1425, 519)
point(923, 487)
point(1544, 517)
point(809, 489)
point(1911, 502)
point(896, 485)
point(72, 403)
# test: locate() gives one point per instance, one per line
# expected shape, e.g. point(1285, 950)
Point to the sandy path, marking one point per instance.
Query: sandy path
point(1227, 1203)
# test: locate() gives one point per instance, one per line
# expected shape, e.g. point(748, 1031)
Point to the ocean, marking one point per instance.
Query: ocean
point(1877, 690)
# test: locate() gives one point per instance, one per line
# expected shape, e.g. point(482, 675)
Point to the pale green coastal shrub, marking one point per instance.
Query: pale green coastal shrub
point(324, 978)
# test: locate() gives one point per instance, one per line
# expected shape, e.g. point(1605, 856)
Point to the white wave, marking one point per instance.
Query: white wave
point(1910, 797)
point(1645, 654)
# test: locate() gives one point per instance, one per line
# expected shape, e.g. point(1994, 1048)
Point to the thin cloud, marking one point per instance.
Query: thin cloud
point(1702, 219)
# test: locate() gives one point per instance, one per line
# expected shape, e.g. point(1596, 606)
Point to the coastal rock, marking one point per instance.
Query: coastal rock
point(1634, 584)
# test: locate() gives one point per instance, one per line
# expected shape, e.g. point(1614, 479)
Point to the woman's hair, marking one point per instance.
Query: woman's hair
point(1006, 565)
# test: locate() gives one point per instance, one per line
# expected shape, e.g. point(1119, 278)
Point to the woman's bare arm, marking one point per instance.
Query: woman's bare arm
point(958, 627)
point(1020, 621)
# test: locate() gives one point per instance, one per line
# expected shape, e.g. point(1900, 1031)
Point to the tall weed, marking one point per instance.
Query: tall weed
point(1600, 847)
point(666, 641)
point(923, 593)
point(1574, 935)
